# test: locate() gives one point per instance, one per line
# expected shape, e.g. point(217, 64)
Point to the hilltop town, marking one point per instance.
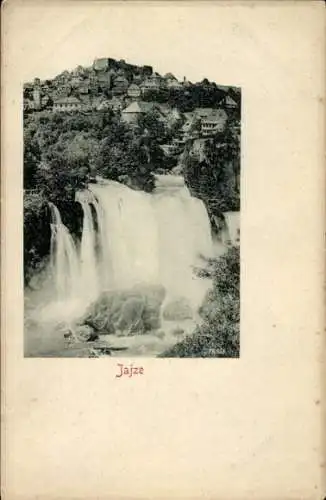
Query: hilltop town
point(195, 111)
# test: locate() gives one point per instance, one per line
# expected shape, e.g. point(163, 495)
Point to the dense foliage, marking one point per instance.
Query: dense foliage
point(219, 334)
point(204, 94)
point(215, 179)
point(64, 151)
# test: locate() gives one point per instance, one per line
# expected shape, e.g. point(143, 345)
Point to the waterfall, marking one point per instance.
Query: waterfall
point(64, 258)
point(88, 263)
point(155, 238)
point(127, 235)
point(184, 236)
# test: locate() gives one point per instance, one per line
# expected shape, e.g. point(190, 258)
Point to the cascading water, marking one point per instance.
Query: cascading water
point(89, 279)
point(184, 236)
point(65, 268)
point(153, 238)
point(64, 258)
point(128, 235)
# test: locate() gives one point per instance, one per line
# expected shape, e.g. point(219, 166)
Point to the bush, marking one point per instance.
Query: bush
point(219, 334)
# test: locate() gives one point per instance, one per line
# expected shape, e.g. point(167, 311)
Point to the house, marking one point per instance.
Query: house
point(120, 85)
point(149, 84)
point(70, 103)
point(134, 91)
point(172, 82)
point(156, 77)
point(76, 80)
point(63, 90)
point(169, 79)
point(137, 108)
point(203, 112)
point(104, 78)
point(132, 112)
point(153, 82)
point(37, 96)
point(175, 85)
point(214, 122)
point(137, 79)
point(169, 76)
point(229, 102)
point(84, 88)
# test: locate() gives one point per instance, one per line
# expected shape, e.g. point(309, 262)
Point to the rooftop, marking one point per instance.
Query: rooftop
point(215, 116)
point(170, 76)
point(139, 107)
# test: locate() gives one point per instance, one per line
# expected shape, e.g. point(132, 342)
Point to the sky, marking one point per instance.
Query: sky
point(185, 39)
point(231, 43)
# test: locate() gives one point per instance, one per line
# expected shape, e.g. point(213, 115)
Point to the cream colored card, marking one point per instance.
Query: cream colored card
point(241, 428)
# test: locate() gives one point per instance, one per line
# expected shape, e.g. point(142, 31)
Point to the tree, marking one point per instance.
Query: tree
point(32, 157)
point(216, 178)
point(219, 333)
point(36, 232)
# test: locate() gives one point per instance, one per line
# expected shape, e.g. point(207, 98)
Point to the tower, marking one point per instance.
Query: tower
point(37, 93)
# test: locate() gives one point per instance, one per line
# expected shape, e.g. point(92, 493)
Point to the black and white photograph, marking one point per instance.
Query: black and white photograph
point(163, 250)
point(131, 213)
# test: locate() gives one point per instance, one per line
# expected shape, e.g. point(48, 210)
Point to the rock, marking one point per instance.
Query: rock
point(83, 331)
point(93, 354)
point(126, 312)
point(154, 296)
point(92, 337)
point(130, 320)
point(178, 309)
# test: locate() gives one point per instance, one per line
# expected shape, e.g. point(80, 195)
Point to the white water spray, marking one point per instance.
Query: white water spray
point(88, 262)
point(153, 238)
point(64, 258)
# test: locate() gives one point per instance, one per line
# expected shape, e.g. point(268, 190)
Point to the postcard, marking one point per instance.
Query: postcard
point(163, 209)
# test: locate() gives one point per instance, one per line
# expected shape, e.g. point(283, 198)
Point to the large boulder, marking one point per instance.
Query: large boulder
point(178, 309)
point(126, 312)
point(130, 319)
